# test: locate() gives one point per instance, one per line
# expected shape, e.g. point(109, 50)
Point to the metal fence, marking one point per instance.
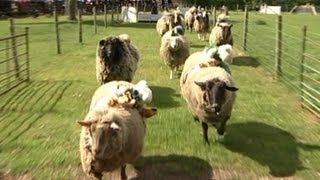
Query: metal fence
point(14, 59)
point(288, 51)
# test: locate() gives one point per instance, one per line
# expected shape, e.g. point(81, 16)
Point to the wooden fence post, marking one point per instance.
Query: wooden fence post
point(278, 48)
point(14, 47)
point(105, 15)
point(214, 14)
point(27, 53)
point(112, 14)
point(95, 19)
point(303, 50)
point(56, 23)
point(8, 62)
point(245, 28)
point(80, 25)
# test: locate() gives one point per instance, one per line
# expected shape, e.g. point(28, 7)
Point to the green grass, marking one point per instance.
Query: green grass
point(269, 134)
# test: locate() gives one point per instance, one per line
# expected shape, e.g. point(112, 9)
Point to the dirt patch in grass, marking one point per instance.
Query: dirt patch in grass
point(8, 175)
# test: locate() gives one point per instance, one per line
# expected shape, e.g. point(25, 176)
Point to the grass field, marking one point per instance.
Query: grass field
point(268, 136)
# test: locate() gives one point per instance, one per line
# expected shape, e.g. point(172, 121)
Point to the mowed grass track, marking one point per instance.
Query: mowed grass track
point(269, 135)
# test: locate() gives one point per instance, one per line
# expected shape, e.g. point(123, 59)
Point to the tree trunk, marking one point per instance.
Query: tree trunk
point(72, 4)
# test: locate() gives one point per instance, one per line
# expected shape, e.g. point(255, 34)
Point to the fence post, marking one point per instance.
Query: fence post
point(214, 14)
point(14, 47)
point(105, 15)
point(245, 28)
point(8, 62)
point(56, 23)
point(95, 19)
point(112, 14)
point(27, 53)
point(303, 50)
point(278, 49)
point(80, 25)
point(117, 11)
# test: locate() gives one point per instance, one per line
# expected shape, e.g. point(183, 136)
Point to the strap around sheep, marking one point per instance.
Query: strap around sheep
point(216, 56)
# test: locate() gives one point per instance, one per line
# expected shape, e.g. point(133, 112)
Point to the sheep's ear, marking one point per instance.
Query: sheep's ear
point(230, 25)
point(201, 84)
point(85, 123)
point(102, 42)
point(148, 112)
point(232, 88)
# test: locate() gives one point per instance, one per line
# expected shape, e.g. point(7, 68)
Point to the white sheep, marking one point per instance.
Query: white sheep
point(112, 135)
point(221, 34)
point(224, 53)
point(222, 18)
point(116, 59)
point(201, 25)
point(190, 17)
point(209, 92)
point(174, 49)
point(168, 21)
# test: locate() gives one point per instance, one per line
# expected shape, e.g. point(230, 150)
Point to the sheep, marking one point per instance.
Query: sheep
point(116, 59)
point(174, 49)
point(223, 53)
point(168, 21)
point(222, 18)
point(111, 135)
point(201, 24)
point(209, 93)
point(190, 17)
point(221, 34)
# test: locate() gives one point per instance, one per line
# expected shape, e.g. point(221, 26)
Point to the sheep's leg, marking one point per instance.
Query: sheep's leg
point(199, 36)
point(123, 173)
point(205, 132)
point(222, 127)
point(171, 73)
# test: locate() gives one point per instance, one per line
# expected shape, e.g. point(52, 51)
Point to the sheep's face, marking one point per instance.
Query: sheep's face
point(106, 138)
point(213, 95)
point(174, 43)
point(111, 48)
point(226, 30)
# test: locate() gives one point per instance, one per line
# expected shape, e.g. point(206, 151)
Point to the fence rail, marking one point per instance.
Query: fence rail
point(289, 55)
point(14, 59)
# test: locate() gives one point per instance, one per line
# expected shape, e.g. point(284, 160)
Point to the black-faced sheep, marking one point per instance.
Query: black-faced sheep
point(209, 92)
point(168, 21)
point(201, 24)
point(221, 34)
point(116, 59)
point(112, 134)
point(174, 49)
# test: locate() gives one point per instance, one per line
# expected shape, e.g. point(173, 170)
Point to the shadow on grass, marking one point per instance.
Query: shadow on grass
point(27, 105)
point(39, 96)
point(198, 46)
point(245, 61)
point(268, 145)
point(163, 97)
point(173, 167)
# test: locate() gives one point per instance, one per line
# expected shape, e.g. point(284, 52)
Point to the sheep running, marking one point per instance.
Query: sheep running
point(202, 25)
point(112, 134)
point(209, 92)
point(221, 34)
point(116, 59)
point(190, 17)
point(174, 49)
point(168, 21)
